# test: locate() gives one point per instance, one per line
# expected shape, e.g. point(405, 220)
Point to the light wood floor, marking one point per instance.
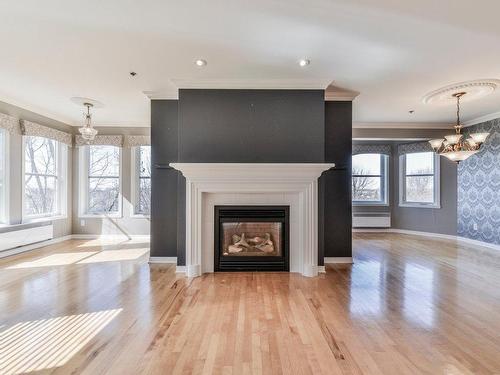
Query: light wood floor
point(408, 305)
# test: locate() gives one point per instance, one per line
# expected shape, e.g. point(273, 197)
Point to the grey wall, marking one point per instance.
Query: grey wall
point(127, 224)
point(433, 220)
point(479, 188)
point(245, 126)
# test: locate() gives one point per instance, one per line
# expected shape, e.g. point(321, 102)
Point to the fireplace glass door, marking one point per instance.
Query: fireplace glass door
point(253, 238)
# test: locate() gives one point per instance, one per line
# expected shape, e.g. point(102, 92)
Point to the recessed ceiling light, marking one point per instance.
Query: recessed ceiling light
point(304, 62)
point(200, 62)
point(133, 74)
point(411, 111)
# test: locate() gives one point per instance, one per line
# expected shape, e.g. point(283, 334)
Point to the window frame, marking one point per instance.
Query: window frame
point(402, 183)
point(61, 210)
point(4, 195)
point(83, 193)
point(135, 182)
point(384, 182)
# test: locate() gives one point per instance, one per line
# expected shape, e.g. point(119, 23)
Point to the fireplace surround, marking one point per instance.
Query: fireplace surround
point(251, 238)
point(279, 184)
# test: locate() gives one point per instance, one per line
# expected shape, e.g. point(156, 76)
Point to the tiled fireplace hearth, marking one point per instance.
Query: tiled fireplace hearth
point(210, 185)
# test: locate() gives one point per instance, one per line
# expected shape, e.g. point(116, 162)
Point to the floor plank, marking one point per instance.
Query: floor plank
point(408, 305)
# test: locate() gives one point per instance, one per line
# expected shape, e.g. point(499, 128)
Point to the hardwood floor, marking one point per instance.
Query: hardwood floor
point(408, 305)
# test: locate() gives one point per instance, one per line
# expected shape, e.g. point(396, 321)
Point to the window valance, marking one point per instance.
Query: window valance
point(101, 140)
point(371, 149)
point(9, 123)
point(137, 140)
point(409, 148)
point(36, 130)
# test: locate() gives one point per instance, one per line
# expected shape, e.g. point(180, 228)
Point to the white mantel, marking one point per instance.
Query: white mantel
point(210, 184)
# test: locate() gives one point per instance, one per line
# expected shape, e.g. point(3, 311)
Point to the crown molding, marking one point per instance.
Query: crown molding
point(252, 84)
point(172, 94)
point(339, 94)
point(401, 125)
point(480, 119)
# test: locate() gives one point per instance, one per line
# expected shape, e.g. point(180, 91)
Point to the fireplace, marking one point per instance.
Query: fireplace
point(251, 238)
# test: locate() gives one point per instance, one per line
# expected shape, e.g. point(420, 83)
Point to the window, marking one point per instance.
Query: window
point(419, 180)
point(100, 187)
point(369, 179)
point(44, 177)
point(142, 180)
point(3, 176)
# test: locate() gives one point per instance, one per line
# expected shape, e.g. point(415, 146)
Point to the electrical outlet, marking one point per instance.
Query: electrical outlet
point(474, 226)
point(82, 223)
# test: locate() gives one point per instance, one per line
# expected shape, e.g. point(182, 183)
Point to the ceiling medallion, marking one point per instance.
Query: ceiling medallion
point(474, 89)
point(454, 146)
point(87, 131)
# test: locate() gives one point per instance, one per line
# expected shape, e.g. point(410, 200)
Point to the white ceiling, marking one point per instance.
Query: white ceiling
point(391, 51)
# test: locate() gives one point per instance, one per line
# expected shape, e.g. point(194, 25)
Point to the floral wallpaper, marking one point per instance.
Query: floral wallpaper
point(479, 188)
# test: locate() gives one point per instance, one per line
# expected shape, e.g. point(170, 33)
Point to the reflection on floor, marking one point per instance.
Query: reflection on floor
point(408, 305)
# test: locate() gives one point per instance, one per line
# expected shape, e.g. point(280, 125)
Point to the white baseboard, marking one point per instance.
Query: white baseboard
point(37, 245)
point(434, 235)
point(340, 260)
point(180, 269)
point(163, 260)
point(321, 269)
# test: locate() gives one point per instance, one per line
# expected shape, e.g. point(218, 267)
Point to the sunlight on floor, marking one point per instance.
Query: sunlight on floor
point(86, 257)
point(115, 255)
point(49, 343)
point(59, 259)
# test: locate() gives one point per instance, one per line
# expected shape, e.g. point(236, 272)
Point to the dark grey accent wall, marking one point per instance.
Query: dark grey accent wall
point(479, 188)
point(164, 188)
point(250, 126)
point(335, 239)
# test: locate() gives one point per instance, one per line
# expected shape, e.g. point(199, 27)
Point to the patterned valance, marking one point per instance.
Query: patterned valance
point(101, 140)
point(409, 148)
point(9, 123)
point(137, 140)
point(36, 130)
point(371, 149)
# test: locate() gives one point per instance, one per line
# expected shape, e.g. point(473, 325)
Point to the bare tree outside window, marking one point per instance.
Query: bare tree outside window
point(144, 203)
point(41, 180)
point(103, 179)
point(419, 177)
point(368, 178)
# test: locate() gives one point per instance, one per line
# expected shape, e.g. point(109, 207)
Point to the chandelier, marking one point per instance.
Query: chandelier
point(454, 146)
point(87, 131)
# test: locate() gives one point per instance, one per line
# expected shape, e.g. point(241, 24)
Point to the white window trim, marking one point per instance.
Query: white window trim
point(386, 189)
point(5, 201)
point(61, 211)
point(83, 161)
point(437, 185)
point(135, 183)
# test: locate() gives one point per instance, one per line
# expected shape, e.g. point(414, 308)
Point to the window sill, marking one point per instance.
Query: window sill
point(374, 204)
point(416, 205)
point(100, 216)
point(140, 216)
point(43, 219)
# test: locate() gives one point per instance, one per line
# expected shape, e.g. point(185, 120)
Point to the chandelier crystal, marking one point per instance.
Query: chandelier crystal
point(87, 131)
point(455, 147)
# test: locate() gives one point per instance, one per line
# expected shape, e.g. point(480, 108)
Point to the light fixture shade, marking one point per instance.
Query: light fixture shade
point(88, 133)
point(458, 156)
point(436, 143)
point(453, 139)
point(479, 137)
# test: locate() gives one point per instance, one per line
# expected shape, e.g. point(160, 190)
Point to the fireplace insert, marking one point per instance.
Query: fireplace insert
point(251, 238)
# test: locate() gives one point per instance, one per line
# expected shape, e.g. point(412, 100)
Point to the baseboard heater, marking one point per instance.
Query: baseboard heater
point(371, 220)
point(22, 237)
